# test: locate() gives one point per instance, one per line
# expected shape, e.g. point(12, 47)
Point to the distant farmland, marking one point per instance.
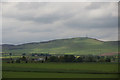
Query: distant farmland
point(75, 46)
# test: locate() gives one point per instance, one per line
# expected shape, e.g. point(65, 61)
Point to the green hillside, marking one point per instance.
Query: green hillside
point(80, 45)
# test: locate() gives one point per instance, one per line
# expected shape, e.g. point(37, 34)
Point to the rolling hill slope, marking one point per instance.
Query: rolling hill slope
point(80, 45)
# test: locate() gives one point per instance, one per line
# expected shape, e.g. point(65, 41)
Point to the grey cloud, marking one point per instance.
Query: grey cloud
point(50, 18)
point(96, 5)
point(45, 18)
point(102, 22)
point(30, 22)
point(30, 5)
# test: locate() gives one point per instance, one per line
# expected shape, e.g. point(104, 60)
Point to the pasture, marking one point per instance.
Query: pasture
point(60, 70)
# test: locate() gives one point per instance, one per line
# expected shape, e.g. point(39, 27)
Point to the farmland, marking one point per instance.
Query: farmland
point(55, 75)
point(60, 70)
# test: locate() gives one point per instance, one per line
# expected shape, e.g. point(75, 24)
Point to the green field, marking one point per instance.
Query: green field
point(60, 70)
point(55, 75)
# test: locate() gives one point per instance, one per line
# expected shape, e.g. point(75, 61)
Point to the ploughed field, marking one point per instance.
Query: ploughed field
point(60, 70)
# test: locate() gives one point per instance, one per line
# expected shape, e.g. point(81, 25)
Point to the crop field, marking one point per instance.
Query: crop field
point(60, 70)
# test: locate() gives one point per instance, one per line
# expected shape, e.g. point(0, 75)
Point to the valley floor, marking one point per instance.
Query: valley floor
point(55, 75)
point(60, 70)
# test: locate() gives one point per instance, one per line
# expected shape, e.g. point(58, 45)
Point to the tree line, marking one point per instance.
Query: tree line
point(64, 58)
point(87, 58)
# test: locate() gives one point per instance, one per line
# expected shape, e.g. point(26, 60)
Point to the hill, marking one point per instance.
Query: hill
point(76, 46)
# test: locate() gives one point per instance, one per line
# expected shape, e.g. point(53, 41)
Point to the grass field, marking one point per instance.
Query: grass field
point(55, 75)
point(60, 70)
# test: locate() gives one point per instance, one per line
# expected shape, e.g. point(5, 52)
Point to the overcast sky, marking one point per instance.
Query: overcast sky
point(25, 22)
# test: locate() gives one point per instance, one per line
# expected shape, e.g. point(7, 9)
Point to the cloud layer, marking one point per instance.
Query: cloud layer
point(25, 22)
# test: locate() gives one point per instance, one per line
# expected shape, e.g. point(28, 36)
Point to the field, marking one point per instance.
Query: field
point(60, 70)
point(54, 75)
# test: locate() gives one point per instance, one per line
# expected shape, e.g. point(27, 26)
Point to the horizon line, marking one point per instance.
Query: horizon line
point(53, 40)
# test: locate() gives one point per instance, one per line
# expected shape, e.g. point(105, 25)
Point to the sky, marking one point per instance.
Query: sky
point(25, 22)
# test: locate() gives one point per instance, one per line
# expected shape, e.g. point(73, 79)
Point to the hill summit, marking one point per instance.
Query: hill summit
point(76, 46)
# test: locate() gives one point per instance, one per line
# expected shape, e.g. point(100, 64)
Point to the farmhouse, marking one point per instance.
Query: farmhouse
point(40, 57)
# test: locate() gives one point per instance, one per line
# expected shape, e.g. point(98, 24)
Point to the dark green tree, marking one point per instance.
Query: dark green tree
point(69, 58)
point(18, 61)
point(80, 59)
point(23, 58)
point(53, 59)
point(107, 60)
point(10, 54)
point(23, 54)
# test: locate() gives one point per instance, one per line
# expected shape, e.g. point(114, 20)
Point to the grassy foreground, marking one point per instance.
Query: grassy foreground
point(55, 75)
point(60, 70)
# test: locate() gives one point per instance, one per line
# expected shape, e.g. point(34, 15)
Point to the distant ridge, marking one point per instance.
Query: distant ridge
point(50, 41)
point(76, 46)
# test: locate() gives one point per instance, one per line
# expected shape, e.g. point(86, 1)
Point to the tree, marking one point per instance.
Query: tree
point(102, 59)
point(90, 58)
point(23, 58)
point(107, 60)
point(53, 59)
point(61, 59)
point(23, 54)
point(26, 61)
point(46, 58)
point(10, 54)
point(80, 59)
point(18, 61)
point(12, 61)
point(69, 58)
